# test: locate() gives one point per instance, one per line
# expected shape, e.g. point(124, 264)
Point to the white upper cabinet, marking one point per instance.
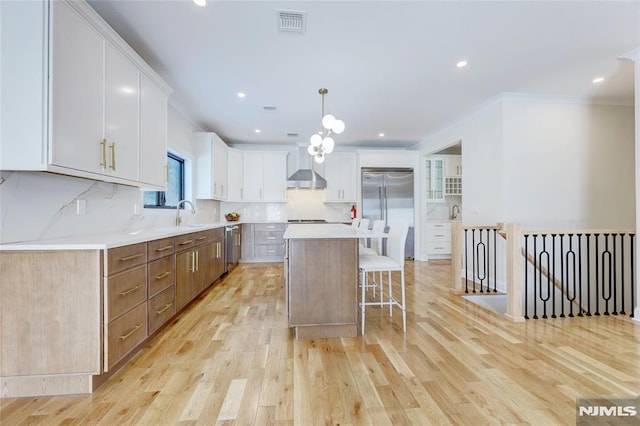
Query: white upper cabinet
point(77, 93)
point(340, 171)
point(100, 111)
point(211, 167)
point(453, 165)
point(434, 172)
point(264, 176)
point(153, 134)
point(121, 105)
point(234, 174)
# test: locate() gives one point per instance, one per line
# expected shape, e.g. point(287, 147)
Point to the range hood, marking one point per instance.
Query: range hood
point(305, 177)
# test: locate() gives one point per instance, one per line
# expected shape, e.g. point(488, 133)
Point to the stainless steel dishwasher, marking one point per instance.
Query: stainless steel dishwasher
point(232, 245)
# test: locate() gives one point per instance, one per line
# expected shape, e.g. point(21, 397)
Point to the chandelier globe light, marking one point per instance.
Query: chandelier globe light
point(322, 143)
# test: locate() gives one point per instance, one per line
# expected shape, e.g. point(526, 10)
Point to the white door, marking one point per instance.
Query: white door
point(76, 92)
point(349, 177)
point(234, 174)
point(332, 173)
point(221, 187)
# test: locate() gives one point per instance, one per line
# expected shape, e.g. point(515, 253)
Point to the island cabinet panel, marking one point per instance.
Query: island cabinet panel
point(322, 283)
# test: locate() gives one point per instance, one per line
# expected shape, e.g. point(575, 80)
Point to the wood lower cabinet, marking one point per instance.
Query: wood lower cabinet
point(191, 267)
point(215, 255)
point(70, 318)
point(125, 310)
point(263, 242)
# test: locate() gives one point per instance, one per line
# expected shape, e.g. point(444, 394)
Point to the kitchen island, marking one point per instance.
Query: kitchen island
point(321, 271)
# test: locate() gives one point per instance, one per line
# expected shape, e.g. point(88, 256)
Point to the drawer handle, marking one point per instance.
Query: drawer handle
point(164, 308)
point(126, 336)
point(131, 290)
point(271, 251)
point(163, 275)
point(186, 242)
point(201, 238)
point(439, 248)
point(165, 248)
point(271, 238)
point(133, 256)
point(438, 235)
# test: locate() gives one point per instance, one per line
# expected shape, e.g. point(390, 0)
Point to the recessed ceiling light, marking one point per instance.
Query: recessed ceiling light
point(201, 3)
point(241, 94)
point(461, 64)
point(598, 79)
point(258, 130)
point(381, 135)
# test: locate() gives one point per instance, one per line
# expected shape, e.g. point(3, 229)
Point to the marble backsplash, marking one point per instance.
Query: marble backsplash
point(36, 205)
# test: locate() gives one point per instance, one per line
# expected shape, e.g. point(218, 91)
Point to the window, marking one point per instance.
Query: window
point(175, 186)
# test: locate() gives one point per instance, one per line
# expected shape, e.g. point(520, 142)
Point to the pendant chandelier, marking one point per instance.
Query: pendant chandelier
point(322, 143)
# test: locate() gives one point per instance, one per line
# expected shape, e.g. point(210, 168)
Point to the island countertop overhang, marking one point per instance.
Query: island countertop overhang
point(327, 230)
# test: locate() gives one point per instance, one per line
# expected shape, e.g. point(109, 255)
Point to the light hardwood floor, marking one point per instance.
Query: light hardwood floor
point(230, 359)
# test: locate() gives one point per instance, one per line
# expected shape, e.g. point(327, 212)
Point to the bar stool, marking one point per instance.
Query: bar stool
point(392, 262)
point(375, 250)
point(364, 225)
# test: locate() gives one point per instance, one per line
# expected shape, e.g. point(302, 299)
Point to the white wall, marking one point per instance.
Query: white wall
point(568, 164)
point(35, 205)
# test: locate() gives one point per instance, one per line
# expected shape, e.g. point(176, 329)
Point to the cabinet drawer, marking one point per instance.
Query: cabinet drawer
point(185, 242)
point(258, 227)
point(269, 237)
point(121, 258)
point(269, 250)
point(161, 274)
point(439, 235)
point(161, 308)
point(214, 234)
point(435, 227)
point(439, 247)
point(126, 333)
point(126, 290)
point(160, 248)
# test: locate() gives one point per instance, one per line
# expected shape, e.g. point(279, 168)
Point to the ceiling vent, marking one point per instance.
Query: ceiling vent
point(292, 134)
point(291, 21)
point(269, 108)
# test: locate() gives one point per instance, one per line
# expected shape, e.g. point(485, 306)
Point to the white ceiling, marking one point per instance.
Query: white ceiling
point(390, 66)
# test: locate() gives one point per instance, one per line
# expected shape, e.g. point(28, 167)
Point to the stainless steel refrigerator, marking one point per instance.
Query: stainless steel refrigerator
point(387, 194)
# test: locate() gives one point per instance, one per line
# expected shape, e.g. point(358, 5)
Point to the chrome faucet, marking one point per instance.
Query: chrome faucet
point(455, 211)
point(178, 218)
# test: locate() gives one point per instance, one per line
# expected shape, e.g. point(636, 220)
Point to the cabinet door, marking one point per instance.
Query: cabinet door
point(185, 266)
point(234, 173)
point(252, 175)
point(200, 273)
point(435, 179)
point(121, 92)
point(349, 177)
point(153, 133)
point(220, 169)
point(76, 91)
point(453, 165)
point(274, 176)
point(332, 173)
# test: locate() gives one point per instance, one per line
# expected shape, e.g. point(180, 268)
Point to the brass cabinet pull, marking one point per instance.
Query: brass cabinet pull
point(218, 250)
point(193, 261)
point(165, 248)
point(164, 308)
point(197, 256)
point(271, 238)
point(131, 290)
point(186, 242)
point(103, 158)
point(201, 238)
point(163, 275)
point(126, 336)
point(113, 156)
point(133, 256)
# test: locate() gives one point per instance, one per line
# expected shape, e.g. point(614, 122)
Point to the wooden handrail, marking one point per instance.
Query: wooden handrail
point(580, 231)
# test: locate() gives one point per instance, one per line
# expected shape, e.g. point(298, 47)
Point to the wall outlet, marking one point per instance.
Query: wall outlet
point(136, 209)
point(81, 207)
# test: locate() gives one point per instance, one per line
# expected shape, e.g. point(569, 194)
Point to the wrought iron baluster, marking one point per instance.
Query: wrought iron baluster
point(552, 271)
point(588, 275)
point(597, 260)
point(571, 298)
point(622, 311)
point(545, 253)
point(473, 257)
point(535, 268)
point(580, 310)
point(466, 263)
point(633, 275)
point(606, 254)
point(526, 276)
point(562, 290)
point(614, 311)
point(495, 257)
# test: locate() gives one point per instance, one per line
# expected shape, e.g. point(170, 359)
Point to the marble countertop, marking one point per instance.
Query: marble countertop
point(326, 231)
point(112, 239)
